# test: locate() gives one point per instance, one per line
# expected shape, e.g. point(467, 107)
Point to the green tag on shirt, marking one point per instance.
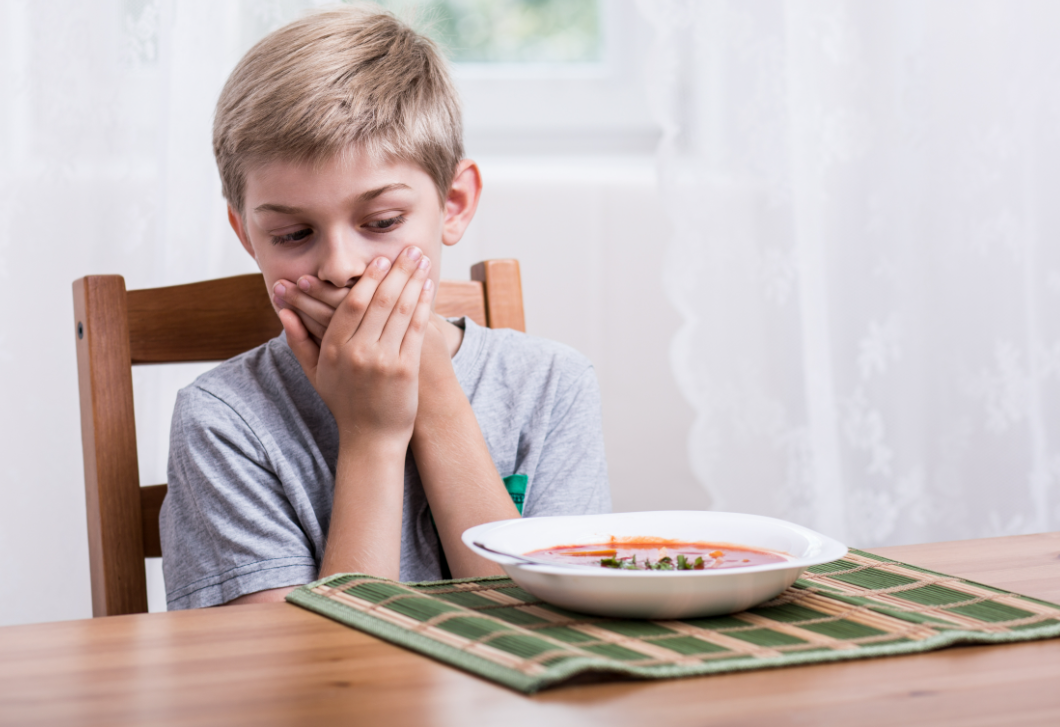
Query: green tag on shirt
point(516, 487)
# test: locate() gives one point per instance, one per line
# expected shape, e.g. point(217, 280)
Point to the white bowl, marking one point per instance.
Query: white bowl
point(655, 594)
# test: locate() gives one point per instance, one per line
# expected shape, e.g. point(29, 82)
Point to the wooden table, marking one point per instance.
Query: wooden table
point(278, 664)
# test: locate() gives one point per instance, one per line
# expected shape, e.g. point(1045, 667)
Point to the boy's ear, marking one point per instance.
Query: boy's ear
point(461, 202)
point(237, 225)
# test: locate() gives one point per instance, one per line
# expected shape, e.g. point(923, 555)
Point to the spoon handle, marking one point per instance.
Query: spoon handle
point(530, 561)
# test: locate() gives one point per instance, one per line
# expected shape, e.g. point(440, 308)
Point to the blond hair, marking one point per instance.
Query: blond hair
point(354, 77)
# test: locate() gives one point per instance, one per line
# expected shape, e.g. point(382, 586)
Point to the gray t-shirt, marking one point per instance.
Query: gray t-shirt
point(253, 450)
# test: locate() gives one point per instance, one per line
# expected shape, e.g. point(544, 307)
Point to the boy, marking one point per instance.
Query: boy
point(372, 433)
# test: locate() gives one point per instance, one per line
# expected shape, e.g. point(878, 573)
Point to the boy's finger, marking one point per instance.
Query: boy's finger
point(308, 307)
point(388, 293)
point(316, 331)
point(326, 293)
point(412, 343)
point(405, 306)
point(302, 346)
point(351, 311)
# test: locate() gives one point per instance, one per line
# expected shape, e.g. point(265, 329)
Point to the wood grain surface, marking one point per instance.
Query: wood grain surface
point(108, 441)
point(461, 298)
point(275, 664)
point(502, 283)
point(212, 320)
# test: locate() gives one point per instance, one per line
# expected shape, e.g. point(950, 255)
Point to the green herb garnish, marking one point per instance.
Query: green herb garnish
point(621, 563)
point(684, 564)
point(664, 563)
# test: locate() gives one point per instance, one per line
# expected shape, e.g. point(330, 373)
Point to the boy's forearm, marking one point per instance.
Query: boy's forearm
point(457, 471)
point(364, 535)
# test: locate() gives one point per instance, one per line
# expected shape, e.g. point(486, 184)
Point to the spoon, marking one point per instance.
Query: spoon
point(533, 561)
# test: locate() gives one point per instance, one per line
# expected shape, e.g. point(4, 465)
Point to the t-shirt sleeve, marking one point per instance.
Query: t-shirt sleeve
point(571, 474)
point(227, 526)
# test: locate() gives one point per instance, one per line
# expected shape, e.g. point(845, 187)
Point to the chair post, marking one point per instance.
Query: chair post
point(503, 288)
point(108, 436)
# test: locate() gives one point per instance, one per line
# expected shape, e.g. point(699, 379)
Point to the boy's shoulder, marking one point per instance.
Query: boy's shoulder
point(507, 364)
point(519, 350)
point(248, 373)
point(258, 386)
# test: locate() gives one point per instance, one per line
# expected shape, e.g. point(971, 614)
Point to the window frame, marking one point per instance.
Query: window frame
point(564, 108)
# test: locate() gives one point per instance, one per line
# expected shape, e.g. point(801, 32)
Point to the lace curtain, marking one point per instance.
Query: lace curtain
point(865, 259)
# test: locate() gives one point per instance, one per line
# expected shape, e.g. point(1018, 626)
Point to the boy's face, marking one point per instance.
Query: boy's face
point(330, 220)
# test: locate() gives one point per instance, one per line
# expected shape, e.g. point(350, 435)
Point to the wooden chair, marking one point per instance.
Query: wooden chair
point(208, 321)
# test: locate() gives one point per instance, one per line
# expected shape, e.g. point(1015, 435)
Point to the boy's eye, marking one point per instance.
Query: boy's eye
point(386, 224)
point(292, 237)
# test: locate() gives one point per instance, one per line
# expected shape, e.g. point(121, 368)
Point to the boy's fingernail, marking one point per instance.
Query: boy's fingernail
point(428, 285)
point(414, 253)
point(303, 283)
point(382, 263)
point(424, 263)
point(280, 290)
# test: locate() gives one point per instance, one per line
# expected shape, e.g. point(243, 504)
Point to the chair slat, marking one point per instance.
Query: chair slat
point(208, 321)
point(503, 289)
point(461, 298)
point(108, 438)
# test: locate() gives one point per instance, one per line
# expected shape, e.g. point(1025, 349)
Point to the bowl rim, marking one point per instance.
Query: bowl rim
point(830, 550)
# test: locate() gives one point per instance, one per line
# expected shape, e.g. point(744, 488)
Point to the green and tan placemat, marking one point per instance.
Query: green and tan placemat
point(857, 607)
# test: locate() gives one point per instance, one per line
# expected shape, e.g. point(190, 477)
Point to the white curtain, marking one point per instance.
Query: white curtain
point(866, 259)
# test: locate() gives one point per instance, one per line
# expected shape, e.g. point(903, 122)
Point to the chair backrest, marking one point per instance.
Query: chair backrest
point(208, 321)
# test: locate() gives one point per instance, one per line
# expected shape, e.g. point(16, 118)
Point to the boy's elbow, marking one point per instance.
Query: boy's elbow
point(272, 595)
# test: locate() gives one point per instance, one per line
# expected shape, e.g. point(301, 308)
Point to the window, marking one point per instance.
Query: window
point(554, 77)
point(511, 31)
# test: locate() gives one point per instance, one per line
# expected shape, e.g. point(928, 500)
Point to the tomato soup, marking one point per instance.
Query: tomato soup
point(658, 554)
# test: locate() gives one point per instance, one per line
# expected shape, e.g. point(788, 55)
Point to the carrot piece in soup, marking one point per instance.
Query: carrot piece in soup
point(606, 553)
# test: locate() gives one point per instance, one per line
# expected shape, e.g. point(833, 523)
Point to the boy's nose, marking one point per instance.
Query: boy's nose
point(340, 262)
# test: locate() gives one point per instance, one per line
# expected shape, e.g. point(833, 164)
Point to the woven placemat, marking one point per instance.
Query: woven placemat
point(857, 607)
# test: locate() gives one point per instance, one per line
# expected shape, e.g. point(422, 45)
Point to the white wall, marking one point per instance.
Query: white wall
point(590, 235)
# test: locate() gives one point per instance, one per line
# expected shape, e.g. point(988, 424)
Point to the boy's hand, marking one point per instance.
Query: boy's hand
point(314, 301)
point(366, 365)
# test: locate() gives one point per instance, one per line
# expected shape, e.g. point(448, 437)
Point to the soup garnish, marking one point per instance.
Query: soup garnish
point(658, 554)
